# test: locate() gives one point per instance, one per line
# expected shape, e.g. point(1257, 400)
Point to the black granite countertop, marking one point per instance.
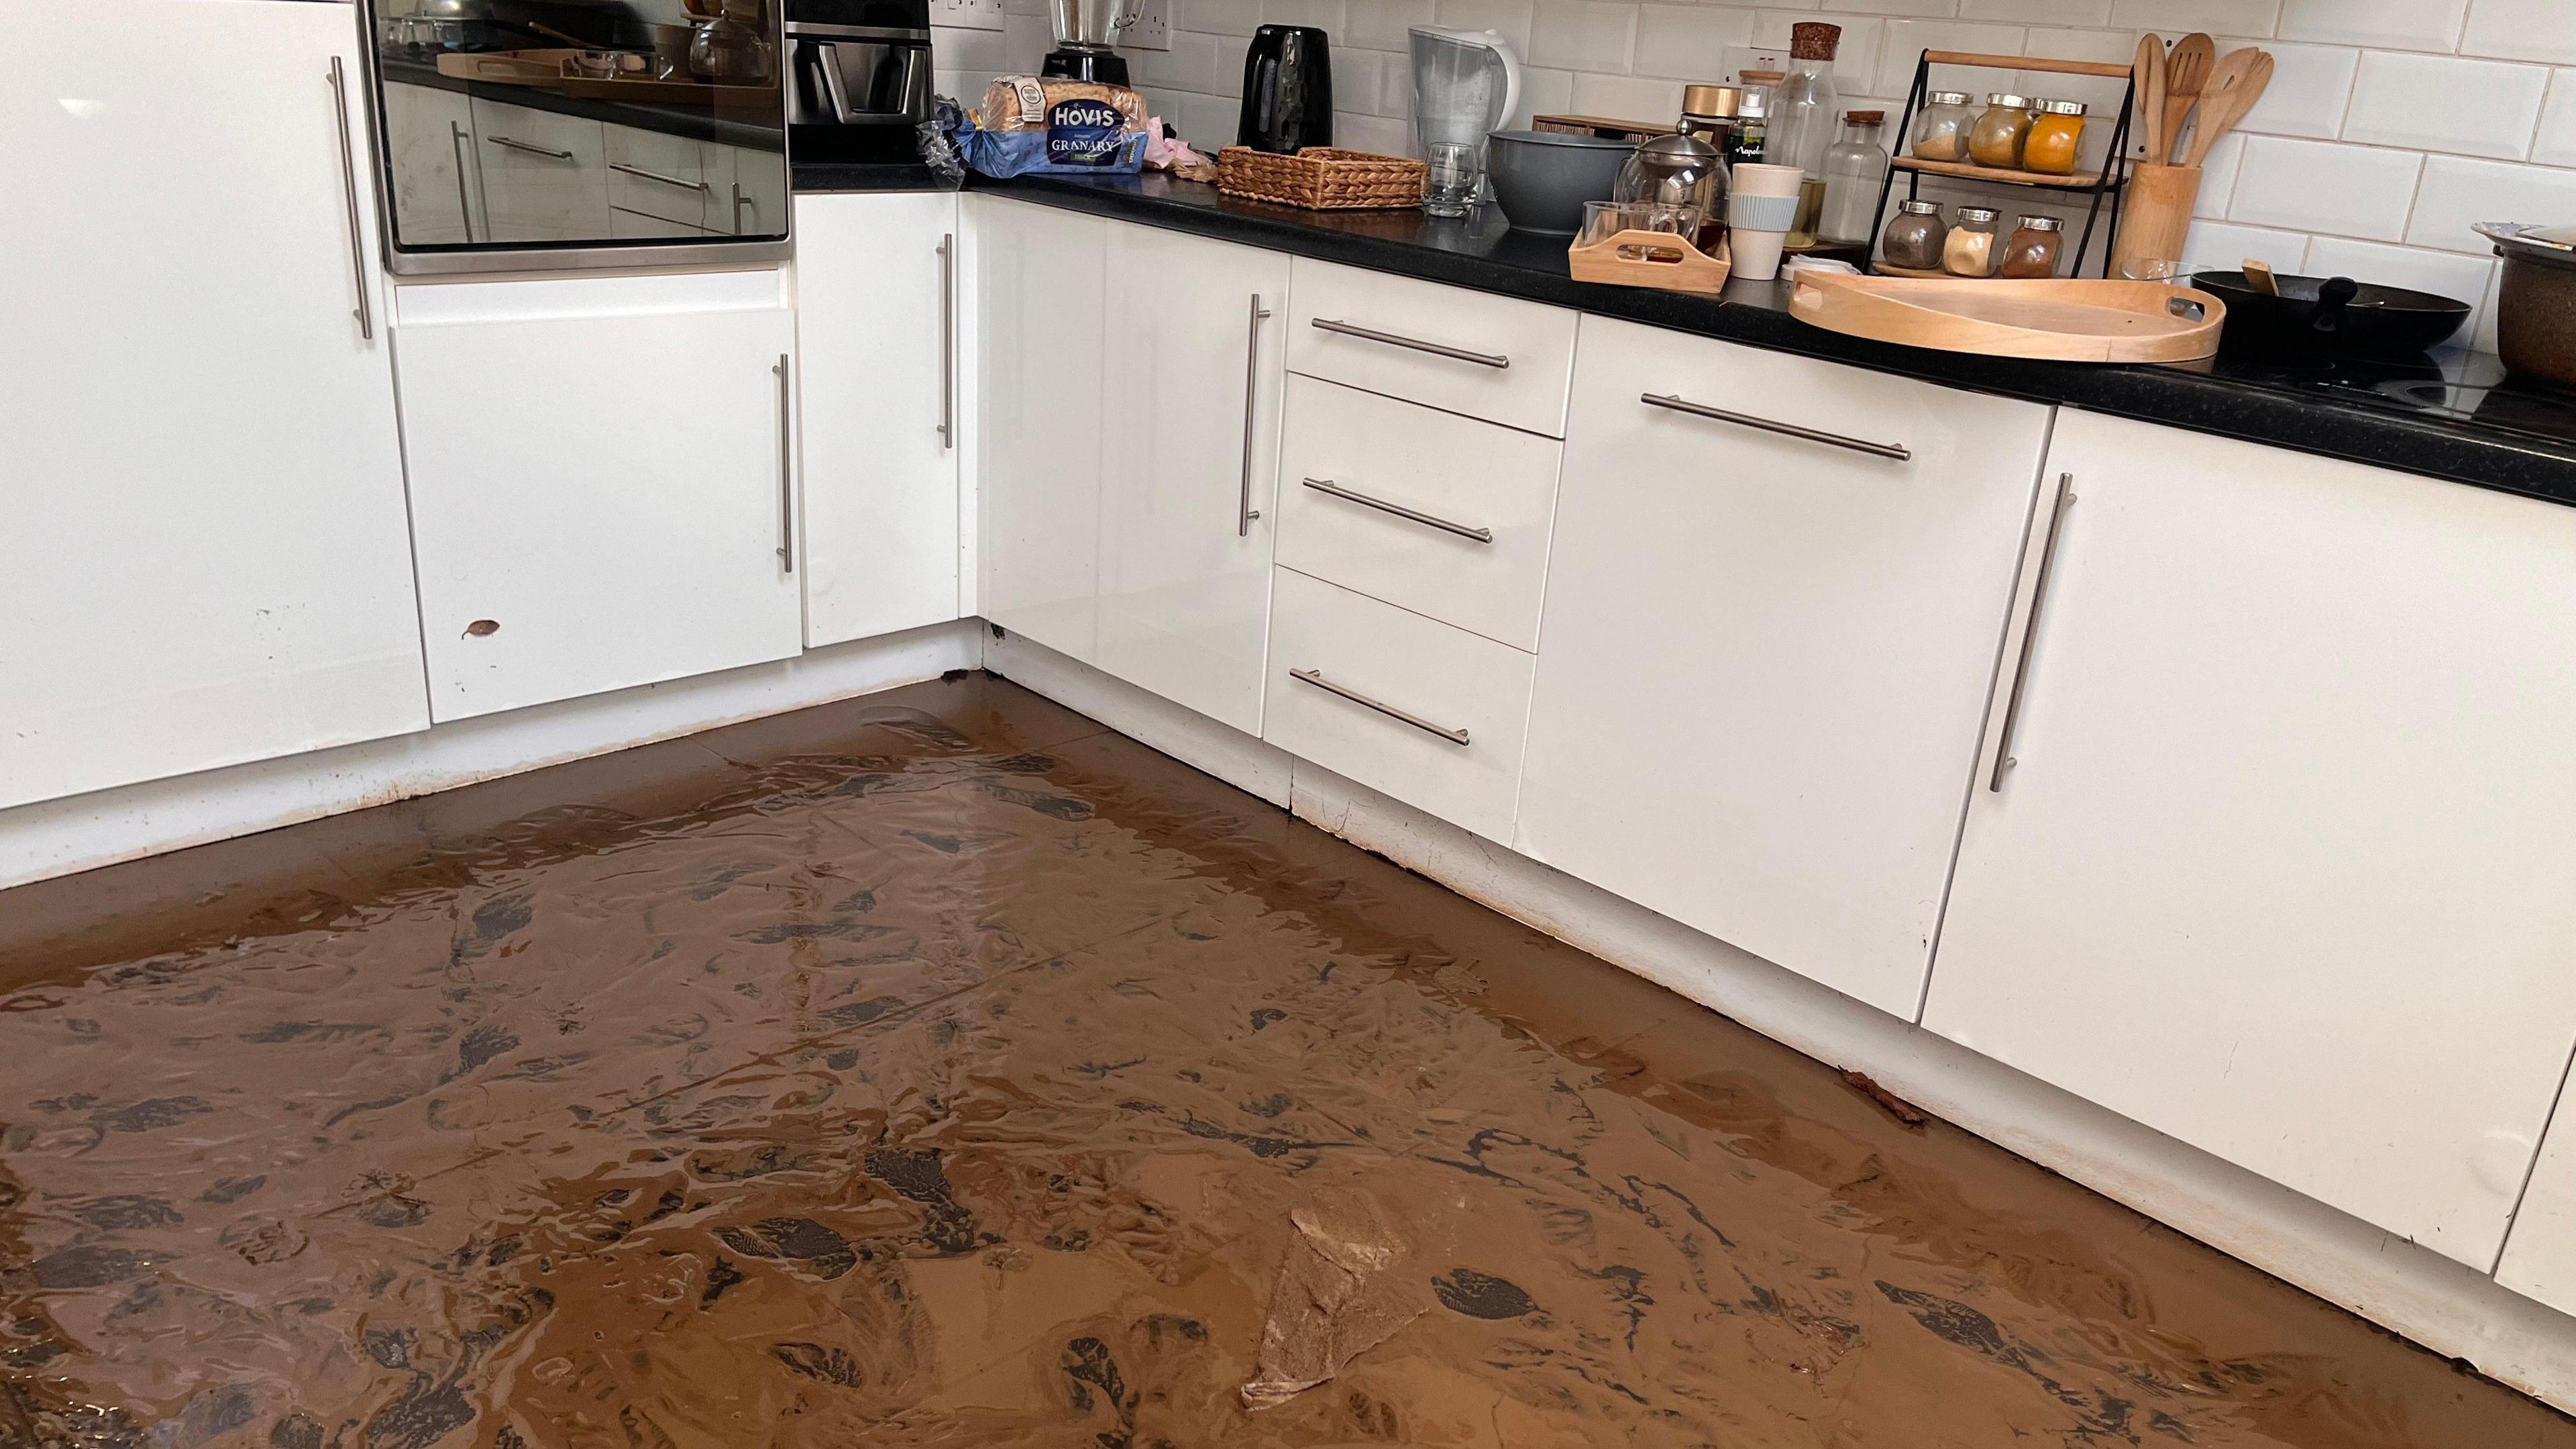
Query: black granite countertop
point(694, 123)
point(2451, 416)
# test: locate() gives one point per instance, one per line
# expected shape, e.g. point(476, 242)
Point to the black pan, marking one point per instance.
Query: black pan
point(2331, 317)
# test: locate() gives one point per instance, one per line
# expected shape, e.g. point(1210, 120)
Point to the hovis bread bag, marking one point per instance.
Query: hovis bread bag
point(1029, 124)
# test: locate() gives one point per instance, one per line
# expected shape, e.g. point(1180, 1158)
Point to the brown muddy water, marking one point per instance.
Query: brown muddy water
point(938, 1069)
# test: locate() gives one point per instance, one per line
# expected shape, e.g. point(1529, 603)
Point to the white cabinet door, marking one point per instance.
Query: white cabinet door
point(1764, 659)
point(431, 135)
point(2282, 865)
point(544, 176)
point(875, 313)
point(599, 492)
point(1042, 400)
point(751, 194)
point(1188, 466)
point(203, 558)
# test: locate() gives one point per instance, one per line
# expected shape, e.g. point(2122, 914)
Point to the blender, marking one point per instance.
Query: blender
point(1465, 84)
point(1085, 31)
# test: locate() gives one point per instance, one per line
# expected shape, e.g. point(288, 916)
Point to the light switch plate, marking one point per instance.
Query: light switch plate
point(967, 14)
point(1151, 29)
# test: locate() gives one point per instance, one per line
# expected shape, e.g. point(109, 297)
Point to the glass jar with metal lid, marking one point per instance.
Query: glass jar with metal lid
point(1998, 135)
point(1710, 114)
point(1913, 240)
point(2055, 144)
point(1941, 132)
point(2034, 248)
point(1969, 249)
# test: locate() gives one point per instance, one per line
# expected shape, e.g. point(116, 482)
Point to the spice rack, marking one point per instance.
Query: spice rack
point(2103, 185)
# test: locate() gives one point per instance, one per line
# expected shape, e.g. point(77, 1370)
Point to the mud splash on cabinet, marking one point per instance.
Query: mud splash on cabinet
point(937, 1069)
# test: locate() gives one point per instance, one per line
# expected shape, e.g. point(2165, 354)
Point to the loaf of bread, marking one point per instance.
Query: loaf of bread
point(1028, 103)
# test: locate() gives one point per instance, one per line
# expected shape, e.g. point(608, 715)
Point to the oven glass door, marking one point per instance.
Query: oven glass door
point(545, 133)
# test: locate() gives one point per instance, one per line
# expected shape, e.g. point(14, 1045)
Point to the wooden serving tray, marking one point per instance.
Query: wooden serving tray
point(2059, 318)
point(1650, 259)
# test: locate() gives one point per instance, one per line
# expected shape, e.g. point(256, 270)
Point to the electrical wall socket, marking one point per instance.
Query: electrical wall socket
point(1151, 29)
point(967, 14)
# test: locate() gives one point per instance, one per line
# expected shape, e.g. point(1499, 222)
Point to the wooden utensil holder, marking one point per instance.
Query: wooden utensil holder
point(2157, 214)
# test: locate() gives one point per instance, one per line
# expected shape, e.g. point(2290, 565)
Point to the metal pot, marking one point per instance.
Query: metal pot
point(2536, 312)
point(2332, 317)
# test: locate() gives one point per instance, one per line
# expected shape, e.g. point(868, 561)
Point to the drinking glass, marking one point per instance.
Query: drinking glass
point(1457, 174)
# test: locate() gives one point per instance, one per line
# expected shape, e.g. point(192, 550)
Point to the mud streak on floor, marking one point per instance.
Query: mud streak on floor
point(939, 1069)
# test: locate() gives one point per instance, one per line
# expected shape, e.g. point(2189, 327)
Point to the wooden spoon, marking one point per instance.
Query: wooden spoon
point(2186, 70)
point(2258, 276)
point(2147, 75)
point(2233, 88)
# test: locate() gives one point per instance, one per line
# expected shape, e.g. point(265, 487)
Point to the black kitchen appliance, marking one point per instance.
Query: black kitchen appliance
point(858, 75)
point(1287, 90)
point(2331, 317)
point(1086, 37)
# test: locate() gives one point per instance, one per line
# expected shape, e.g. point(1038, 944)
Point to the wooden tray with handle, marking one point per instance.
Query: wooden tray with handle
point(2057, 318)
point(1662, 259)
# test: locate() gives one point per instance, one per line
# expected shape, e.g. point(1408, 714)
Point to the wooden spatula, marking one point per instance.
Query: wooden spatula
point(2258, 275)
point(2186, 70)
point(2235, 84)
point(2147, 76)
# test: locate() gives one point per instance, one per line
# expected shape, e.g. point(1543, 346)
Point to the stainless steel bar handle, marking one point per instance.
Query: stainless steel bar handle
point(365, 311)
point(681, 182)
point(948, 340)
point(1786, 430)
point(2030, 631)
point(464, 207)
point(1244, 512)
point(1370, 334)
point(1316, 678)
point(786, 475)
point(531, 150)
point(1327, 485)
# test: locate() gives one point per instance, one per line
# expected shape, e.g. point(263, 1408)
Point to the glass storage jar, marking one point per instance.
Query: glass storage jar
point(1855, 174)
point(1941, 132)
point(2033, 250)
point(1969, 249)
point(2056, 140)
point(1913, 240)
point(1997, 137)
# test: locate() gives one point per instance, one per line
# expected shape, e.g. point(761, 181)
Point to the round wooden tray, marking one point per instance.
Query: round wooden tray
point(2060, 318)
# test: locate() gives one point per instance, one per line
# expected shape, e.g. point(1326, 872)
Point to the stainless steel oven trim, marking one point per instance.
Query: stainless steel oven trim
point(489, 260)
point(802, 29)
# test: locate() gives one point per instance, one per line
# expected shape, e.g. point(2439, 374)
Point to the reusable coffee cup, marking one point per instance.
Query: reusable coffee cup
point(1761, 203)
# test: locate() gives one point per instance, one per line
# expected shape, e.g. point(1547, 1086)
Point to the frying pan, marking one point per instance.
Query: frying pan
point(2331, 317)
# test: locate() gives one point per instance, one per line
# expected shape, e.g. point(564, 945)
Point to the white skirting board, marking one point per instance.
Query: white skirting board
point(82, 832)
point(2431, 1299)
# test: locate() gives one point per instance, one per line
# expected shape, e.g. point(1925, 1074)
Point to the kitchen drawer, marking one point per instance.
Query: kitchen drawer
point(544, 177)
point(1495, 358)
point(1445, 678)
point(671, 177)
point(1418, 465)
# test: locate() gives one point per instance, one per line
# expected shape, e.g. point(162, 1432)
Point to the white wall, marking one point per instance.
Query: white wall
point(2390, 125)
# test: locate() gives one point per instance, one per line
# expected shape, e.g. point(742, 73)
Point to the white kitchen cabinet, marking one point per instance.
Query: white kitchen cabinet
point(430, 133)
point(2540, 1252)
point(1042, 401)
point(544, 176)
point(1764, 658)
point(1130, 437)
point(2281, 863)
point(1189, 460)
point(203, 557)
point(876, 313)
point(601, 482)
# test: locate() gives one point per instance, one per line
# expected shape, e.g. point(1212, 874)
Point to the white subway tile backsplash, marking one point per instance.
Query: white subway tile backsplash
point(2444, 274)
point(2556, 143)
point(2038, 12)
point(1626, 98)
point(1324, 15)
point(1380, 24)
point(2521, 30)
point(1509, 19)
point(2444, 103)
point(1908, 39)
point(2458, 193)
point(1856, 58)
point(2218, 177)
point(2174, 19)
point(2396, 24)
point(1688, 42)
point(1582, 35)
point(1212, 17)
point(2311, 86)
point(2217, 246)
point(1544, 93)
point(2313, 186)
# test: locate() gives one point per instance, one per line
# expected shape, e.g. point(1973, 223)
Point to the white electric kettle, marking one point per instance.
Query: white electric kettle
point(1465, 83)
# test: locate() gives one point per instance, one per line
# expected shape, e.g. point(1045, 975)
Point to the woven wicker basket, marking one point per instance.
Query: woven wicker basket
point(1321, 178)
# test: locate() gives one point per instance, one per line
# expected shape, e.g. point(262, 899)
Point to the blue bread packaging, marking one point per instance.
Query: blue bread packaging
point(1033, 126)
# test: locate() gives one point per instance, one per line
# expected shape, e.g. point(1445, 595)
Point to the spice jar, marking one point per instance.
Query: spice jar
point(1941, 132)
point(1997, 138)
point(2056, 139)
point(2033, 250)
point(1969, 249)
point(1913, 240)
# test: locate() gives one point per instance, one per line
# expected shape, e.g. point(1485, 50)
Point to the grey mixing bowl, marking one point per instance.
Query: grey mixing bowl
point(1542, 178)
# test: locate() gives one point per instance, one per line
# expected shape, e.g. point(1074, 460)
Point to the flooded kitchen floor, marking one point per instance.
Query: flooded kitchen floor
point(939, 1069)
